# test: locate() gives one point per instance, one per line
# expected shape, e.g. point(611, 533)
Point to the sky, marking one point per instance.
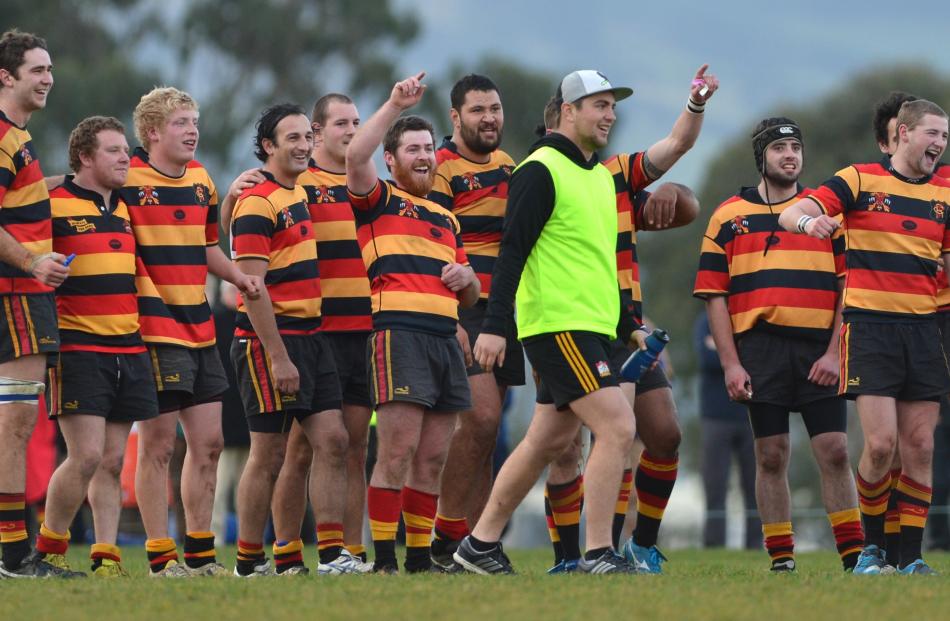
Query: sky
point(765, 54)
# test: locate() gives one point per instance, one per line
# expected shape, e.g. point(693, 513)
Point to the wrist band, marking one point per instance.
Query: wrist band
point(803, 222)
point(694, 107)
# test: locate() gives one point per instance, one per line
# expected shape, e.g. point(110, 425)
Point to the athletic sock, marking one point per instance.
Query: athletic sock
point(160, 553)
point(329, 541)
point(249, 556)
point(358, 550)
point(13, 536)
point(872, 499)
point(450, 528)
point(99, 552)
point(51, 542)
point(418, 513)
point(287, 554)
point(849, 537)
point(552, 529)
point(913, 502)
point(199, 549)
point(594, 554)
point(892, 524)
point(655, 480)
point(383, 507)
point(620, 508)
point(779, 542)
point(566, 502)
point(482, 546)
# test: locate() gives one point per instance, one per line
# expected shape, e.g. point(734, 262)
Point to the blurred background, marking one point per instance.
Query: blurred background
point(825, 64)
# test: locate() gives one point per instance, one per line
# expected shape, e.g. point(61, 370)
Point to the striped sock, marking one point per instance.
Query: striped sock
point(623, 503)
point(913, 502)
point(249, 555)
point(99, 552)
point(566, 501)
point(13, 536)
point(418, 513)
point(199, 549)
point(51, 542)
point(450, 528)
point(654, 480)
point(872, 499)
point(160, 553)
point(329, 541)
point(552, 529)
point(288, 554)
point(849, 537)
point(892, 524)
point(779, 542)
point(357, 550)
point(383, 507)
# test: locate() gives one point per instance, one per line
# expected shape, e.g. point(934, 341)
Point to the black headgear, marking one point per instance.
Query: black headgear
point(775, 129)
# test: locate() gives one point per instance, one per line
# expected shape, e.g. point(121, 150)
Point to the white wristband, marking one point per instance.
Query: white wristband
point(803, 222)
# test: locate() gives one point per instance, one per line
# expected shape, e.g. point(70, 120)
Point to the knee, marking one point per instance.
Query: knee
point(86, 464)
point(395, 461)
point(481, 425)
point(771, 458)
point(667, 445)
point(834, 456)
point(112, 465)
point(879, 448)
point(158, 451)
point(332, 445)
point(210, 449)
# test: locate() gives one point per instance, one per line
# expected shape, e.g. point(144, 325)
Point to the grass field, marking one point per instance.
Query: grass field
point(696, 585)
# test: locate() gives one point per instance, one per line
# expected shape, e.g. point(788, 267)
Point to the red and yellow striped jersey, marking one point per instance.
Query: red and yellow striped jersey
point(629, 180)
point(943, 286)
point(24, 205)
point(174, 219)
point(96, 305)
point(346, 304)
point(776, 281)
point(271, 222)
point(896, 232)
point(477, 194)
point(406, 240)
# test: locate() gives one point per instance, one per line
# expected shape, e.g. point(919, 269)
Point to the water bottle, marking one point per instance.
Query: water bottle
point(642, 359)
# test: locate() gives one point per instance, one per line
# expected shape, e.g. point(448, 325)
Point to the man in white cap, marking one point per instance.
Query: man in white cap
point(561, 227)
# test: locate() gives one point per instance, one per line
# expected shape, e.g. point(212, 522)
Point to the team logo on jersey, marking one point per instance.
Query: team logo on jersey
point(470, 180)
point(740, 225)
point(408, 208)
point(287, 217)
point(879, 201)
point(323, 194)
point(148, 195)
point(202, 193)
point(26, 156)
point(81, 225)
point(505, 168)
point(603, 368)
point(938, 211)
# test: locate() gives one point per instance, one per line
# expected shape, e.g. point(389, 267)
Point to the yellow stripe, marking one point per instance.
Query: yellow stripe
point(205, 554)
point(29, 321)
point(389, 367)
point(652, 465)
point(777, 529)
point(11, 506)
point(841, 517)
point(872, 492)
point(383, 531)
point(294, 546)
point(914, 492)
point(372, 353)
point(566, 518)
point(257, 386)
point(155, 370)
point(577, 366)
point(584, 368)
point(913, 521)
point(650, 511)
point(12, 327)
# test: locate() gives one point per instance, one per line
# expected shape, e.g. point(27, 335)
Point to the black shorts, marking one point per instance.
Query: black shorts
point(779, 367)
point(28, 326)
point(349, 353)
point(117, 387)
point(824, 416)
point(569, 365)
point(901, 360)
point(416, 367)
point(512, 372)
point(263, 404)
point(185, 377)
point(650, 380)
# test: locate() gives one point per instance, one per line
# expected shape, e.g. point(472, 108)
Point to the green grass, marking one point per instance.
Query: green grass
point(696, 585)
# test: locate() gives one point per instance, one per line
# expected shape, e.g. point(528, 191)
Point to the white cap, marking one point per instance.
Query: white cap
point(579, 84)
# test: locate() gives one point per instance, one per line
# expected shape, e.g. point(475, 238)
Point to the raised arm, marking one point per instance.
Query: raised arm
point(661, 156)
point(360, 170)
point(805, 216)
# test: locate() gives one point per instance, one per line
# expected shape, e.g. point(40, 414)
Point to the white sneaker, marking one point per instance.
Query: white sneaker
point(346, 563)
point(263, 569)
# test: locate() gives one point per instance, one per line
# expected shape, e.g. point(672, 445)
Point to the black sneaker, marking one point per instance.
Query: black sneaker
point(607, 563)
point(385, 568)
point(442, 551)
point(34, 566)
point(495, 561)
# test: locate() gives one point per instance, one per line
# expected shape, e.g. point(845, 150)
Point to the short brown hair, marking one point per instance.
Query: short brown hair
point(84, 139)
point(322, 107)
point(401, 126)
point(913, 112)
point(156, 106)
point(13, 46)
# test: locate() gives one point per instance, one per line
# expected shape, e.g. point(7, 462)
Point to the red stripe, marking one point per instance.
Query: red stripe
point(22, 329)
point(382, 388)
point(260, 368)
point(651, 500)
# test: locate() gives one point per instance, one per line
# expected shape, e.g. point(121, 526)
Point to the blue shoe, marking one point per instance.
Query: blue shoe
point(646, 560)
point(565, 566)
point(918, 568)
point(870, 562)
